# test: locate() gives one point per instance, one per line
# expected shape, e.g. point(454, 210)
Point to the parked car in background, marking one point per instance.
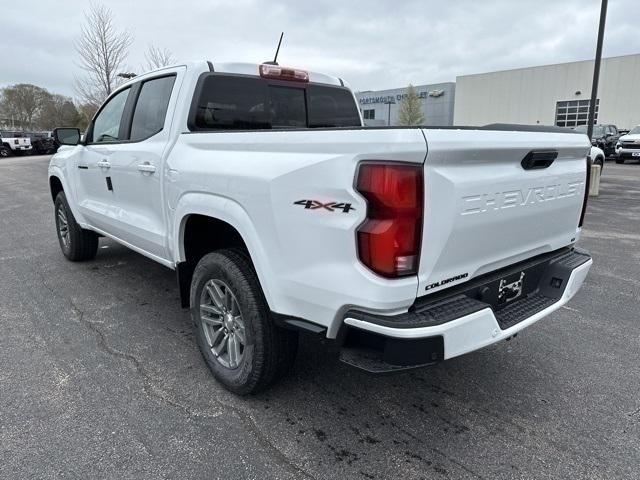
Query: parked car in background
point(628, 146)
point(42, 143)
point(597, 157)
point(14, 143)
point(604, 137)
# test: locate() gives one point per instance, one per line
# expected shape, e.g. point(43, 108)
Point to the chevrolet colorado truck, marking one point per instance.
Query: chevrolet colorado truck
point(282, 214)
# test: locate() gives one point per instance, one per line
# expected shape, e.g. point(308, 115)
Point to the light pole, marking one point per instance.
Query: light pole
point(390, 101)
point(596, 69)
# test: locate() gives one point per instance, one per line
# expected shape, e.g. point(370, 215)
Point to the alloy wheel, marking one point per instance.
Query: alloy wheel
point(222, 323)
point(63, 226)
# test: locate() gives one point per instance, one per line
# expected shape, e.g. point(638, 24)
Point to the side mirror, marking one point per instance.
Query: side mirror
point(67, 136)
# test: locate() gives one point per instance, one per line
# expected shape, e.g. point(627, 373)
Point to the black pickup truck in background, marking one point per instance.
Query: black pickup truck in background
point(604, 137)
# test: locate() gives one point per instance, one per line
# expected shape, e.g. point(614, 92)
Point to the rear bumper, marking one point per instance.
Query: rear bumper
point(461, 323)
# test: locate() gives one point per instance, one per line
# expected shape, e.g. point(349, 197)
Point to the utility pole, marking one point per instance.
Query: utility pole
point(596, 69)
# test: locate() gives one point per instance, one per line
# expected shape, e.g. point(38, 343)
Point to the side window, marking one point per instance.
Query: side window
point(151, 107)
point(106, 127)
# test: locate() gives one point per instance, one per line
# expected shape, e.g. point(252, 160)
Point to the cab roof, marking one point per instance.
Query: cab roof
point(239, 68)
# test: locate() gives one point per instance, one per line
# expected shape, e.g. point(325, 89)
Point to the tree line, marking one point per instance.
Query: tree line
point(29, 107)
point(102, 50)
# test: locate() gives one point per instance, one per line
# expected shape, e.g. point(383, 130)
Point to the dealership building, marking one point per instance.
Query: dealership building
point(546, 95)
point(381, 107)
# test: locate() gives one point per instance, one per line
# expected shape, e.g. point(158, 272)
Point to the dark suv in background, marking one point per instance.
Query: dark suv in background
point(42, 143)
point(604, 137)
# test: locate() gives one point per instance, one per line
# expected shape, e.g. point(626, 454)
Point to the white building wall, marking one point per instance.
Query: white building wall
point(529, 95)
point(437, 102)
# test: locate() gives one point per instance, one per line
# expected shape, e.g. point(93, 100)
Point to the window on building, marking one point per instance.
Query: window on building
point(369, 114)
point(571, 113)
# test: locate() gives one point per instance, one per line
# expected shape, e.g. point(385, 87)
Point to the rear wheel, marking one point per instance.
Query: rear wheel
point(76, 243)
point(243, 348)
point(619, 160)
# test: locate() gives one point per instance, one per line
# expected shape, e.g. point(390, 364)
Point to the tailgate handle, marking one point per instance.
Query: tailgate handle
point(537, 159)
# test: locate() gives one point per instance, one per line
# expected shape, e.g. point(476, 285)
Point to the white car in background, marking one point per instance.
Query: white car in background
point(628, 146)
point(597, 156)
point(14, 143)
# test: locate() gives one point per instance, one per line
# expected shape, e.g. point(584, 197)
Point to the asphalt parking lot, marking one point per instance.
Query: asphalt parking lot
point(100, 375)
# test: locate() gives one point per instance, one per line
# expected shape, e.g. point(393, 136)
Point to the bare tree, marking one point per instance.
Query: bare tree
point(158, 57)
point(410, 109)
point(103, 50)
point(22, 103)
point(57, 111)
point(86, 111)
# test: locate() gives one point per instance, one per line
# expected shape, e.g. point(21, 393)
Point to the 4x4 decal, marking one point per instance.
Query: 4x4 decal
point(331, 206)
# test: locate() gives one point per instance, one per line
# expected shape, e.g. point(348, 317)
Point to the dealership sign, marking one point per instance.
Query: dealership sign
point(399, 97)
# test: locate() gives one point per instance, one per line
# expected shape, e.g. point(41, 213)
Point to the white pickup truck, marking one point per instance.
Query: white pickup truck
point(12, 142)
point(280, 213)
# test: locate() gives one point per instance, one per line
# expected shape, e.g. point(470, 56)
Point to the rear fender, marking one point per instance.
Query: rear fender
point(232, 213)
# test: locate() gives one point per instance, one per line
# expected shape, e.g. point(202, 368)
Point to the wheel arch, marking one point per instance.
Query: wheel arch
point(213, 223)
point(58, 183)
point(55, 186)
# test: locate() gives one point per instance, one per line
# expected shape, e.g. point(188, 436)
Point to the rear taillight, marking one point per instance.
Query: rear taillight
point(586, 191)
point(389, 239)
point(283, 73)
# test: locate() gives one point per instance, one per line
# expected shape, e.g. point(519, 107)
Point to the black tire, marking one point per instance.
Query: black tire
point(5, 152)
point(619, 160)
point(269, 351)
point(79, 244)
point(599, 161)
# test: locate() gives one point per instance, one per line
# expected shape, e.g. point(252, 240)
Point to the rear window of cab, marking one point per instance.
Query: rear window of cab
point(238, 102)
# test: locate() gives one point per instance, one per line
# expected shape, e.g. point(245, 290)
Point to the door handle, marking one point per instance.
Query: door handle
point(104, 164)
point(147, 167)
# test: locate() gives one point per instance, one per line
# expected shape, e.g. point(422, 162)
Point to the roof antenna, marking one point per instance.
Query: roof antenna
point(275, 58)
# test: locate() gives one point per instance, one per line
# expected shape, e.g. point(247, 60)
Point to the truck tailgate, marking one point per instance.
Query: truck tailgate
point(484, 211)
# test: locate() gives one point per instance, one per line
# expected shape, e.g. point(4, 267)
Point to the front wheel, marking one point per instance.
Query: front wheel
point(76, 243)
point(5, 152)
point(619, 160)
point(243, 348)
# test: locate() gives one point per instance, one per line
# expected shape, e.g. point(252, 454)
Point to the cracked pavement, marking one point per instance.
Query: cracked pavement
point(101, 377)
